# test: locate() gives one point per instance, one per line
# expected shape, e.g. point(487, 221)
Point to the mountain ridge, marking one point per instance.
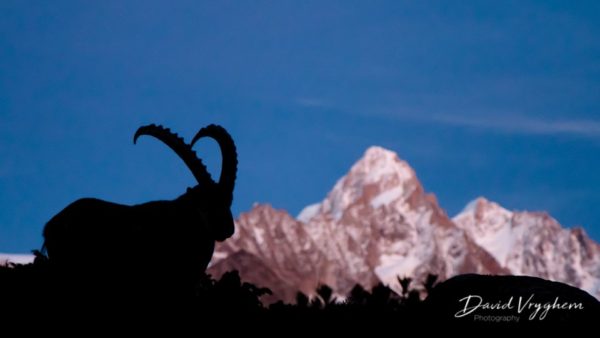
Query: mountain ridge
point(378, 223)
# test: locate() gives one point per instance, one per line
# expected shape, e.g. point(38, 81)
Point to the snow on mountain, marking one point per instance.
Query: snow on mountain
point(489, 225)
point(533, 243)
point(380, 178)
point(308, 212)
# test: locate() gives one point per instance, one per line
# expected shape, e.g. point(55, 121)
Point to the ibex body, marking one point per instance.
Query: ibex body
point(153, 242)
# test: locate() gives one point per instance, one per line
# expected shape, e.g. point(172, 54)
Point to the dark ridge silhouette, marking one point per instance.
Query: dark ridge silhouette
point(154, 246)
point(38, 289)
point(27, 289)
point(512, 302)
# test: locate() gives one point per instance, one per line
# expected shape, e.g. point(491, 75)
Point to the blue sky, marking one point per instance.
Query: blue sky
point(499, 99)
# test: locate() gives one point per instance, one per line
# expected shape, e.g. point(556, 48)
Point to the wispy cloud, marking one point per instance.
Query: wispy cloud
point(521, 125)
point(497, 122)
point(313, 102)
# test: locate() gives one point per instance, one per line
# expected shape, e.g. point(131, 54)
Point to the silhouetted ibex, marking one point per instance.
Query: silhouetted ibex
point(156, 242)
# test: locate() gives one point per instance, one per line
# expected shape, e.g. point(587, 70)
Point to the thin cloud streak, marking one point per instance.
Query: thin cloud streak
point(522, 125)
point(508, 124)
point(312, 102)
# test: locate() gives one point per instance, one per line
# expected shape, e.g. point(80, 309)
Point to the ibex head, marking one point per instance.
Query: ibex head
point(210, 199)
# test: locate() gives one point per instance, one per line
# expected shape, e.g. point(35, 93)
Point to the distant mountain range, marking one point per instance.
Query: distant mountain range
point(378, 223)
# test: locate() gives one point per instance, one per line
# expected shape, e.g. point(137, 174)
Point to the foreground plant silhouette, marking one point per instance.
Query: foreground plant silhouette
point(34, 289)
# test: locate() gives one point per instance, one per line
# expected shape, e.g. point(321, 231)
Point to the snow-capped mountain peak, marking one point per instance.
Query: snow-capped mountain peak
point(533, 243)
point(379, 178)
point(482, 208)
point(379, 163)
point(489, 225)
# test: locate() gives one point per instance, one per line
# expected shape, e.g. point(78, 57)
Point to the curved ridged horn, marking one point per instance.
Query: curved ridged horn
point(182, 150)
point(228, 154)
